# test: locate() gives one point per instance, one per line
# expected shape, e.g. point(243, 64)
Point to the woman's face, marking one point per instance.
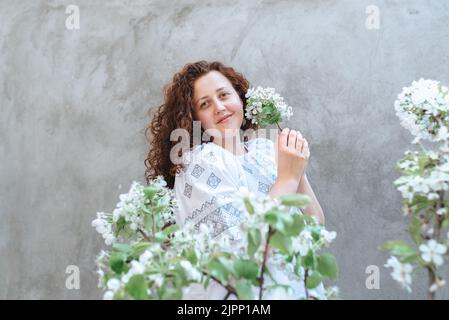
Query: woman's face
point(217, 104)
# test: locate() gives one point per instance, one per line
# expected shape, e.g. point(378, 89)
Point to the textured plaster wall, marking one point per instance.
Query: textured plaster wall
point(74, 104)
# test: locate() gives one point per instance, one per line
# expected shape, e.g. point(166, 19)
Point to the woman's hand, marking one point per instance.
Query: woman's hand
point(292, 155)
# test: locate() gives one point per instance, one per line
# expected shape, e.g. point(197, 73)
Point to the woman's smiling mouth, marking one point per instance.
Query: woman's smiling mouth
point(225, 119)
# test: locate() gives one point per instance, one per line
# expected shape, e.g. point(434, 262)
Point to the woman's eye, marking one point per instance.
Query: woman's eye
point(224, 94)
point(203, 104)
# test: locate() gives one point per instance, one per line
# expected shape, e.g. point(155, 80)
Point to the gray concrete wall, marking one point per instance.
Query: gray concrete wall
point(74, 105)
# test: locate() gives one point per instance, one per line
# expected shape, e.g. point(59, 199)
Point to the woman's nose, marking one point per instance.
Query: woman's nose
point(219, 106)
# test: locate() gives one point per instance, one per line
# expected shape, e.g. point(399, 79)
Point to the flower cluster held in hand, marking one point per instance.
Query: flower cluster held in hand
point(265, 107)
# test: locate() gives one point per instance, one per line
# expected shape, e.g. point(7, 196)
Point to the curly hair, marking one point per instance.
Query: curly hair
point(177, 112)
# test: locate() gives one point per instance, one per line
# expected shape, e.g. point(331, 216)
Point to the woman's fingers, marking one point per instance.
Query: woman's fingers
point(305, 149)
point(299, 143)
point(292, 140)
point(283, 137)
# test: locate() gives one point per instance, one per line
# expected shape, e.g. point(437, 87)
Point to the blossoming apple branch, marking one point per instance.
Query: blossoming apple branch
point(423, 109)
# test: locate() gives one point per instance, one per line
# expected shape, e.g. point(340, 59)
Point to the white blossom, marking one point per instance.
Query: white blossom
point(327, 236)
point(259, 98)
point(157, 278)
point(423, 109)
point(113, 284)
point(433, 252)
point(281, 293)
point(144, 257)
point(192, 273)
point(332, 292)
point(302, 243)
point(108, 295)
point(103, 226)
point(437, 284)
point(401, 272)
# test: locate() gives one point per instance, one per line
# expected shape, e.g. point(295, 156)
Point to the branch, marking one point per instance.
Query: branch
point(228, 287)
point(168, 224)
point(265, 255)
point(432, 280)
point(306, 275)
point(280, 129)
point(144, 235)
point(436, 235)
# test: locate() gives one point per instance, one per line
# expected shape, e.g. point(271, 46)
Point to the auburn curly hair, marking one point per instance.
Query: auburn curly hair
point(177, 112)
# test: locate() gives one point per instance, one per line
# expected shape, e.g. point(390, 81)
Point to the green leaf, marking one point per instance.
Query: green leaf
point(219, 270)
point(244, 290)
point(117, 264)
point(309, 220)
point(191, 256)
point(120, 225)
point(415, 230)
point(148, 223)
point(206, 283)
point(420, 202)
point(295, 200)
point(137, 287)
point(170, 294)
point(139, 248)
point(279, 220)
point(160, 237)
point(150, 192)
point(309, 260)
point(422, 162)
point(297, 226)
point(281, 242)
point(410, 258)
point(171, 229)
point(254, 238)
point(316, 232)
point(313, 280)
point(246, 269)
point(121, 247)
point(248, 205)
point(445, 223)
point(327, 266)
point(398, 247)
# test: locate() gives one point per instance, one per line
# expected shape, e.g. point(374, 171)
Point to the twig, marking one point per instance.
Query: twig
point(280, 129)
point(306, 275)
point(144, 235)
point(432, 280)
point(228, 287)
point(153, 225)
point(168, 224)
point(436, 232)
point(265, 256)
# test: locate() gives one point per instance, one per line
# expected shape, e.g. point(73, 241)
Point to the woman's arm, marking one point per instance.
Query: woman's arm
point(313, 209)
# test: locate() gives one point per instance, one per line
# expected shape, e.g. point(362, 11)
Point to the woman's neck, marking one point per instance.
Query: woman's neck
point(232, 144)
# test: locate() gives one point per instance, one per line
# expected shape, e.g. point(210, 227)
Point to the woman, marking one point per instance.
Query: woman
point(210, 174)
